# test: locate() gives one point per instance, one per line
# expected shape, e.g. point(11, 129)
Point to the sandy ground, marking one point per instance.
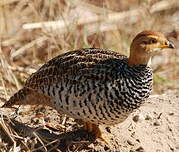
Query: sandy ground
point(152, 128)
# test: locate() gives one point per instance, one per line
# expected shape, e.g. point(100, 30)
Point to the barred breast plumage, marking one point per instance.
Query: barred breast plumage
point(95, 85)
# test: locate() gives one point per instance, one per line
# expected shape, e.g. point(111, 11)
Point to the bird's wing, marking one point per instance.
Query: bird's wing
point(71, 63)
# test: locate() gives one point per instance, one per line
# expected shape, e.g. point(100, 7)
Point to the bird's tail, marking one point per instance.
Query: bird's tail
point(18, 98)
point(27, 96)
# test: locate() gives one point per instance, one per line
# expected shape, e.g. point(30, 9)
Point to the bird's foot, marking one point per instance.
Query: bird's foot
point(90, 127)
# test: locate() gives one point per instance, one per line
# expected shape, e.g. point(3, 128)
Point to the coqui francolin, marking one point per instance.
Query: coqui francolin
point(95, 85)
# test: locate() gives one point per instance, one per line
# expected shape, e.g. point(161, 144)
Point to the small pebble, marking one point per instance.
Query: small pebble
point(172, 149)
point(138, 118)
point(148, 117)
point(138, 140)
point(156, 123)
point(130, 142)
point(171, 113)
point(169, 128)
point(140, 149)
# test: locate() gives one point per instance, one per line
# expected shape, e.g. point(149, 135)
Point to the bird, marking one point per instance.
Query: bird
point(97, 86)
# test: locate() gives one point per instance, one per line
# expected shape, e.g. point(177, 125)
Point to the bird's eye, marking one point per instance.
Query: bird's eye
point(153, 41)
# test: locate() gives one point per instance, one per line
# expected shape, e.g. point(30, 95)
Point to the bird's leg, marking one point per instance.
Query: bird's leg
point(90, 127)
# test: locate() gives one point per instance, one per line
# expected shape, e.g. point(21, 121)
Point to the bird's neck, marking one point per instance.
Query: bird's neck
point(139, 59)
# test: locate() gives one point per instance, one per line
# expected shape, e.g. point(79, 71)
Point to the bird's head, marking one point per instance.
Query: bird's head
point(145, 45)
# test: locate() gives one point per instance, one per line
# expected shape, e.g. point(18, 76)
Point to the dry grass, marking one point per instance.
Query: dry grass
point(32, 32)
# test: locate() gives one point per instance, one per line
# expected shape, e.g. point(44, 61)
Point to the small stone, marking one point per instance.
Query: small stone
point(140, 149)
point(130, 142)
point(135, 118)
point(171, 113)
point(148, 117)
point(156, 123)
point(171, 148)
point(138, 140)
point(138, 118)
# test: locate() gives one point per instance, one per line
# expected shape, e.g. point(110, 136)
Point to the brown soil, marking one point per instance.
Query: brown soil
point(152, 128)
